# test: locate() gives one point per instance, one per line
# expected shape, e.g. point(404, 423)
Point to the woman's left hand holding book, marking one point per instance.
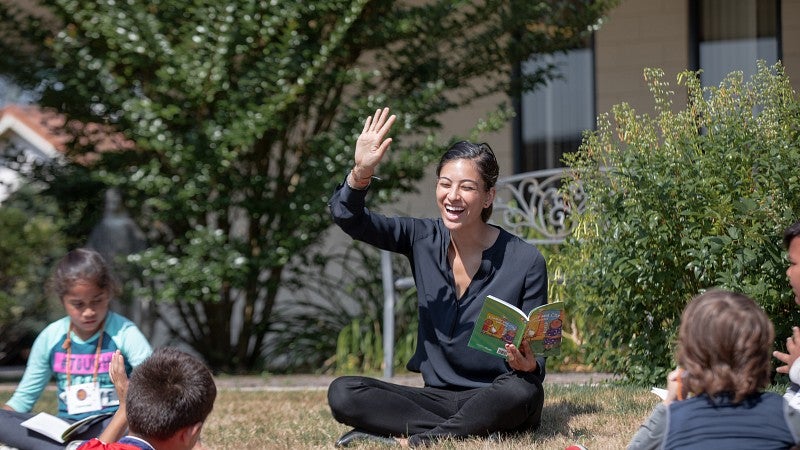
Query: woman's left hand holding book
point(521, 359)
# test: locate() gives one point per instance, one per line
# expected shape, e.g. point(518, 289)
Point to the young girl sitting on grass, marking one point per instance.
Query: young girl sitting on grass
point(77, 350)
point(715, 397)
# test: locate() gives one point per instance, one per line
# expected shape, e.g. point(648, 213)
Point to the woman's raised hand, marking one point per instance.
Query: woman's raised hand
point(372, 144)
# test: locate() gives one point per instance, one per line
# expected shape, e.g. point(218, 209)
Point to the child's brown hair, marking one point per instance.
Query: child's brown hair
point(724, 345)
point(82, 265)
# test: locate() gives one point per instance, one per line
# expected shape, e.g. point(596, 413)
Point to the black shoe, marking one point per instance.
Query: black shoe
point(355, 436)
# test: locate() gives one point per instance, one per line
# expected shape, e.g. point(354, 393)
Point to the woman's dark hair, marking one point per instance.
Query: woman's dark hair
point(82, 265)
point(724, 345)
point(485, 161)
point(792, 232)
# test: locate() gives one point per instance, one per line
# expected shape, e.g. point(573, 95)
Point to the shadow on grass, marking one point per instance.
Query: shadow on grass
point(556, 419)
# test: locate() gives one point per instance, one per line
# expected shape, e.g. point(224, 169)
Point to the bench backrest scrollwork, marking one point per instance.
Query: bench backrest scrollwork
point(534, 206)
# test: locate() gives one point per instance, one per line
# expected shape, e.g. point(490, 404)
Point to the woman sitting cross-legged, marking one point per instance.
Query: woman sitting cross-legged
point(457, 260)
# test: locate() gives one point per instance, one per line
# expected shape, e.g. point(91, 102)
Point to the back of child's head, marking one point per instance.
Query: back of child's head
point(82, 265)
point(169, 391)
point(724, 345)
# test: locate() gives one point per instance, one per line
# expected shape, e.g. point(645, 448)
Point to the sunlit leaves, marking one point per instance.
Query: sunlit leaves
point(683, 201)
point(244, 114)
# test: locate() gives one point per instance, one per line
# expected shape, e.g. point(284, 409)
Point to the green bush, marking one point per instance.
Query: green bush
point(334, 321)
point(359, 345)
point(691, 198)
point(30, 245)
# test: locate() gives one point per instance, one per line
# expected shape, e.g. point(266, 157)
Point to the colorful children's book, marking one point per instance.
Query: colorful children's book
point(500, 322)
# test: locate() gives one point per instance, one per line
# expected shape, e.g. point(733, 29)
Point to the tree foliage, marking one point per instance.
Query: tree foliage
point(679, 202)
point(243, 114)
point(30, 246)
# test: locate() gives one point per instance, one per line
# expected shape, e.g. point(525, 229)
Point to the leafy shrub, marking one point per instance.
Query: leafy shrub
point(30, 245)
point(572, 357)
point(685, 200)
point(334, 323)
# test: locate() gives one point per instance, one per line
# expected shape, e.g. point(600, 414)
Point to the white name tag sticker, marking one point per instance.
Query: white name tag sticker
point(83, 398)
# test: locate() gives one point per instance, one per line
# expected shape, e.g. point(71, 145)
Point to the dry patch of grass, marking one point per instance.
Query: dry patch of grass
point(599, 417)
point(270, 420)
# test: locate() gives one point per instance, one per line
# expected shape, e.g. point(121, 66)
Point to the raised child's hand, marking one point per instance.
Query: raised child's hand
point(118, 376)
point(116, 428)
point(793, 347)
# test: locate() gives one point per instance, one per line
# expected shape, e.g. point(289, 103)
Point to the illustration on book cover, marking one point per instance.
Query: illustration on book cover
point(547, 329)
point(550, 322)
point(499, 327)
point(500, 323)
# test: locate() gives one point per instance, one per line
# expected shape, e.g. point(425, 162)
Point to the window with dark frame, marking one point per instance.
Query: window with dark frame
point(552, 118)
point(732, 35)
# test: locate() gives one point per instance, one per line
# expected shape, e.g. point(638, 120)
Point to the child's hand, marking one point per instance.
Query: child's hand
point(793, 347)
point(118, 376)
point(116, 428)
point(675, 388)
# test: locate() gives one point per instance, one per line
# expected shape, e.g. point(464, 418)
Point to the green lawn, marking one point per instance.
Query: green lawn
point(599, 417)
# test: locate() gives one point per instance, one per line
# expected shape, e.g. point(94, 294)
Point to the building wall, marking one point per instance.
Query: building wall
point(655, 33)
point(627, 42)
point(636, 34)
point(639, 34)
point(790, 30)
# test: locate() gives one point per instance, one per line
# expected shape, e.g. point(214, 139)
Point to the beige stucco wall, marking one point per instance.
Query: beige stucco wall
point(790, 21)
point(655, 33)
point(628, 41)
point(635, 35)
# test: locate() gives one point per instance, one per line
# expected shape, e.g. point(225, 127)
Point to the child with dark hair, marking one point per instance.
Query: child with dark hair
point(715, 397)
point(791, 240)
point(76, 350)
point(168, 399)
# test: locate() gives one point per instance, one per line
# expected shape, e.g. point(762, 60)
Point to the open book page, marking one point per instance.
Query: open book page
point(544, 329)
point(59, 429)
point(83, 425)
point(48, 425)
point(661, 392)
point(500, 322)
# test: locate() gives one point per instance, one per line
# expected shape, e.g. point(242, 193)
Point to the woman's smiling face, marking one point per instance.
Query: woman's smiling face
point(461, 194)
